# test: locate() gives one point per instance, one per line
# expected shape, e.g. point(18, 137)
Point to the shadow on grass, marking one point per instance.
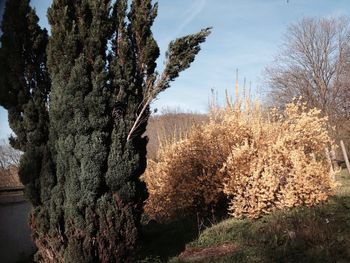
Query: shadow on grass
point(26, 259)
point(305, 234)
point(318, 234)
point(312, 235)
point(163, 241)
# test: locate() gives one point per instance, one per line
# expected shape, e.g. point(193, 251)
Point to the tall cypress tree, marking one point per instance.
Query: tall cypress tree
point(24, 89)
point(84, 146)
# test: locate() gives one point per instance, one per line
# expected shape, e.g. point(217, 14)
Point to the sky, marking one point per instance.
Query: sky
point(246, 35)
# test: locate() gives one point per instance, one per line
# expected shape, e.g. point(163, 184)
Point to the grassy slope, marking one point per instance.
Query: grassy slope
point(317, 234)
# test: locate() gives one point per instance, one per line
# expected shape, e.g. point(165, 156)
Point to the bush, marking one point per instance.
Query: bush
point(258, 163)
point(181, 181)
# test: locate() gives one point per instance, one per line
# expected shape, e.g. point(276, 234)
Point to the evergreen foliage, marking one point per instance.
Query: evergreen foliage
point(24, 89)
point(81, 128)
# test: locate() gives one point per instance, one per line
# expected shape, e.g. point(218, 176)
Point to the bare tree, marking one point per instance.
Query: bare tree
point(314, 64)
point(9, 162)
point(8, 156)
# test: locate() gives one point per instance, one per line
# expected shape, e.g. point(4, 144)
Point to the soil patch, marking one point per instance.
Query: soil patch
point(195, 254)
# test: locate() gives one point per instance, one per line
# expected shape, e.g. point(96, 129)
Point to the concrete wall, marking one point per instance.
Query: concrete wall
point(15, 239)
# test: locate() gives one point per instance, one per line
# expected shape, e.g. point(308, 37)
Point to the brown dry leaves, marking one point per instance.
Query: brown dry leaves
point(259, 163)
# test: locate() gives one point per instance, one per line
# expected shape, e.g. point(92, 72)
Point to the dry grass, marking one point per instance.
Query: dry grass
point(192, 254)
point(170, 126)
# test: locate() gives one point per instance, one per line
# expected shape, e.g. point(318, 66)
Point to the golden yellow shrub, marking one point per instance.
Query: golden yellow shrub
point(185, 177)
point(282, 165)
point(258, 163)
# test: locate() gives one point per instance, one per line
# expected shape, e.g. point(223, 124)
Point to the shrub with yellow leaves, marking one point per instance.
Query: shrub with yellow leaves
point(185, 178)
point(257, 163)
point(282, 165)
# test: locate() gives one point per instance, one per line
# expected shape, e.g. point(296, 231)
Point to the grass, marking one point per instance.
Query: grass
point(316, 234)
point(344, 179)
point(163, 241)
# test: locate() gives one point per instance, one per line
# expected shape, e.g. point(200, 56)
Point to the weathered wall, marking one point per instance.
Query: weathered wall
point(15, 240)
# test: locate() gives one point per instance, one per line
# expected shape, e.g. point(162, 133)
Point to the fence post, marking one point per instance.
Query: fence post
point(345, 155)
point(328, 156)
point(329, 159)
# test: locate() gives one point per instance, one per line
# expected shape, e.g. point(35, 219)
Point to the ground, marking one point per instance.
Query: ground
point(317, 234)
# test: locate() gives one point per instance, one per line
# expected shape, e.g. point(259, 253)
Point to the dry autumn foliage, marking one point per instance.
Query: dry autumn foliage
point(257, 162)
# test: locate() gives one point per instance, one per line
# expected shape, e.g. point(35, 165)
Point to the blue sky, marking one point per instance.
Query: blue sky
point(246, 35)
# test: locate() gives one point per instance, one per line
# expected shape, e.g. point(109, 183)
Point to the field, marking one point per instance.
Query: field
point(317, 234)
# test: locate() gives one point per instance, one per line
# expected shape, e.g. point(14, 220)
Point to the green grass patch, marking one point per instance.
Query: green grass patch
point(317, 234)
point(344, 179)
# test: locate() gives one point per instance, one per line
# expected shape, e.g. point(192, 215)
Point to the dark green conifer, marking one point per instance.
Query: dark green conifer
point(24, 89)
point(84, 149)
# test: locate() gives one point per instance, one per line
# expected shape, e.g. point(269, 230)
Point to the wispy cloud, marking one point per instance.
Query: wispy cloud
point(189, 15)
